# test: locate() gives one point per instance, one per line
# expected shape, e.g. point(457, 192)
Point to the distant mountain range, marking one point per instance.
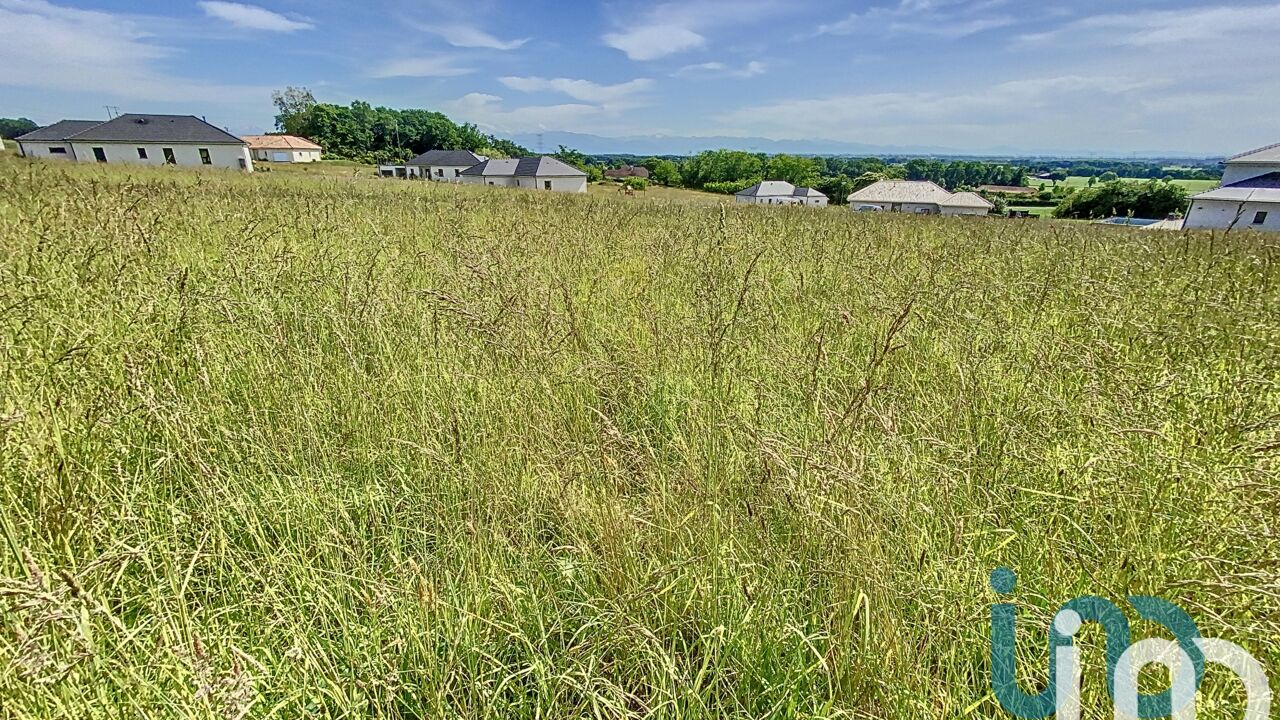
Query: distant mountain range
point(646, 145)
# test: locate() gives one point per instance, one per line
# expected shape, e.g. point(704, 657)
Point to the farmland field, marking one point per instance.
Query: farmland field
point(289, 446)
point(1076, 181)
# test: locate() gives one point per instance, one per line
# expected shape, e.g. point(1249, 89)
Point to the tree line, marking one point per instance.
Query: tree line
point(365, 133)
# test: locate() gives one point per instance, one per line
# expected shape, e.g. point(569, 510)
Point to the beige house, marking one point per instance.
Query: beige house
point(919, 197)
point(139, 138)
point(282, 148)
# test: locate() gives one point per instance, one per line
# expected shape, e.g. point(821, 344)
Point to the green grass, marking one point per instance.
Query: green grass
point(290, 446)
point(683, 196)
point(1076, 181)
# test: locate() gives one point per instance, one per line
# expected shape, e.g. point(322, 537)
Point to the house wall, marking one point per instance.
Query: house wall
point(963, 211)
point(37, 149)
point(223, 155)
point(769, 200)
point(445, 173)
point(295, 156)
point(558, 184)
point(1236, 172)
point(494, 180)
point(1219, 214)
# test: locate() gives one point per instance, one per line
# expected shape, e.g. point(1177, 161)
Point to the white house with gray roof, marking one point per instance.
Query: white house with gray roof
point(919, 197)
point(443, 165)
point(779, 192)
point(535, 173)
point(1248, 199)
point(140, 138)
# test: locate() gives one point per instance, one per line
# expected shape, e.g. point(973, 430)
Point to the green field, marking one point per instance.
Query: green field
point(1076, 181)
point(280, 446)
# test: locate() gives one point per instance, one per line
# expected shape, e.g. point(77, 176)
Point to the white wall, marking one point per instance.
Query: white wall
point(445, 173)
point(963, 211)
point(495, 180)
point(1205, 214)
point(41, 150)
point(1236, 172)
point(558, 184)
point(187, 155)
point(295, 156)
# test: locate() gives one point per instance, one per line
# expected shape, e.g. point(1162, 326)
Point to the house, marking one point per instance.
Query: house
point(779, 192)
point(140, 138)
point(627, 171)
point(282, 148)
point(919, 197)
point(443, 165)
point(51, 142)
point(1249, 197)
point(541, 173)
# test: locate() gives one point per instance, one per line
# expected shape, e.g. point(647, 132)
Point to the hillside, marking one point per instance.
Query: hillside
point(283, 446)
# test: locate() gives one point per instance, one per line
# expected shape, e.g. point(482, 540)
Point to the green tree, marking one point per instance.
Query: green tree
point(665, 172)
point(866, 180)
point(294, 104)
point(11, 128)
point(1108, 176)
point(799, 171)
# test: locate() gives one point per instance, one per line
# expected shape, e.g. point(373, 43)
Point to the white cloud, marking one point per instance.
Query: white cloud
point(719, 69)
point(1030, 110)
point(435, 66)
point(471, 37)
point(584, 90)
point(944, 18)
point(654, 41)
point(252, 17)
point(60, 48)
point(1165, 27)
point(670, 28)
point(489, 112)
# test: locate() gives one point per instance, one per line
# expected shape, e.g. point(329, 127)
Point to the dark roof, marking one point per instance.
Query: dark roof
point(464, 158)
point(134, 127)
point(627, 171)
point(60, 130)
point(525, 167)
point(546, 167)
point(807, 192)
point(493, 167)
point(1270, 181)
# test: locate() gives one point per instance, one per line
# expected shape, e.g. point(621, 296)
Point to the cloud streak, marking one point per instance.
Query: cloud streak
point(583, 90)
point(252, 17)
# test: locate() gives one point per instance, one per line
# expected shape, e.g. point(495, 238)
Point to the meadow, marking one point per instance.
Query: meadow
point(281, 446)
point(1077, 181)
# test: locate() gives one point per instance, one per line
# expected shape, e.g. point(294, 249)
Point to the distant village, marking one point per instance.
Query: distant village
point(1249, 195)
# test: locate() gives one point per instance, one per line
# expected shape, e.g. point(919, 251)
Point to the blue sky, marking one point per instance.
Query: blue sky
point(1090, 76)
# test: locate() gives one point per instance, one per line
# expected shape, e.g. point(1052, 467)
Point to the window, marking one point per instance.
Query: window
point(99, 154)
point(546, 184)
point(142, 153)
point(457, 173)
point(439, 172)
point(1259, 218)
point(169, 159)
point(204, 157)
point(57, 151)
point(243, 165)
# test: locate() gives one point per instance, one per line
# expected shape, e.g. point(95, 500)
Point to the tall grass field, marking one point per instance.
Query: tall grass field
point(281, 446)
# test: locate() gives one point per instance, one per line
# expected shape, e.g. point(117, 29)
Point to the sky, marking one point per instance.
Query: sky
point(1088, 76)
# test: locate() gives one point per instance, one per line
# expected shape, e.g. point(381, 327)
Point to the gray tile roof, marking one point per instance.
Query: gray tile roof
point(525, 167)
point(136, 127)
point(1267, 155)
point(807, 192)
point(493, 167)
point(59, 131)
point(544, 166)
point(1264, 188)
point(454, 158)
point(768, 188)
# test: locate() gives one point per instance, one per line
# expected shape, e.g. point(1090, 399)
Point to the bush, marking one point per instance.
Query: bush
point(729, 187)
point(1151, 199)
point(635, 183)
